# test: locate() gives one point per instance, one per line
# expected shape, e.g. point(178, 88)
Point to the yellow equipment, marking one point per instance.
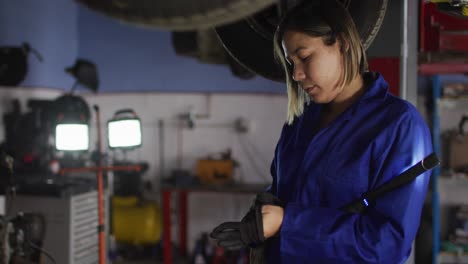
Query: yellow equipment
point(134, 221)
point(212, 171)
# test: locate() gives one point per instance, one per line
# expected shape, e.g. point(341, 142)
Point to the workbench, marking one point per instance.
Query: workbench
point(180, 194)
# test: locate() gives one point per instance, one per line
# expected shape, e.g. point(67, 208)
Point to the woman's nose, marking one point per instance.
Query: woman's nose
point(298, 73)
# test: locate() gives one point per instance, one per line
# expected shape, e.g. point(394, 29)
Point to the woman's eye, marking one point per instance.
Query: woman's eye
point(304, 58)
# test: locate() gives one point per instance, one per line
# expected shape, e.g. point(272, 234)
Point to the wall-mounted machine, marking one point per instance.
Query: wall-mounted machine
point(14, 63)
point(50, 129)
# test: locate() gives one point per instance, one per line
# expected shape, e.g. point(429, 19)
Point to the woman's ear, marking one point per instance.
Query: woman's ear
point(344, 43)
point(346, 46)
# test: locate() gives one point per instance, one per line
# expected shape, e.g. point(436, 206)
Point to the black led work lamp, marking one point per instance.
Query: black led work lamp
point(124, 130)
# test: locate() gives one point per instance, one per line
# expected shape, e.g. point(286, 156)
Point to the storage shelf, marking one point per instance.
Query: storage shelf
point(446, 190)
point(452, 258)
point(452, 102)
point(443, 68)
point(453, 190)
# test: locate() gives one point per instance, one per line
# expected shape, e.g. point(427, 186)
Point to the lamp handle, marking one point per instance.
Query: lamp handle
point(125, 111)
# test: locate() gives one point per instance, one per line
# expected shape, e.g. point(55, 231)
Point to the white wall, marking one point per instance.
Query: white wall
point(213, 132)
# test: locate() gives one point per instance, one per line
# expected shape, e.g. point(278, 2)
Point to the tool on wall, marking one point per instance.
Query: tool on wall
point(14, 63)
point(85, 73)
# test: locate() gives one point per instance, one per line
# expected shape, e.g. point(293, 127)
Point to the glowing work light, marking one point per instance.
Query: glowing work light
point(124, 130)
point(71, 120)
point(72, 137)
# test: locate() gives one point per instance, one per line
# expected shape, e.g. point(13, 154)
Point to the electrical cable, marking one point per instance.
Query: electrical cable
point(257, 152)
point(34, 246)
point(252, 159)
point(241, 173)
point(10, 197)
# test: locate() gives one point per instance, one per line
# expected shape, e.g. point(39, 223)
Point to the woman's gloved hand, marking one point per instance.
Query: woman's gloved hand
point(246, 233)
point(249, 232)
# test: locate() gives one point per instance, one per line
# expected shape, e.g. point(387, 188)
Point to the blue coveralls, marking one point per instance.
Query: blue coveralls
point(318, 171)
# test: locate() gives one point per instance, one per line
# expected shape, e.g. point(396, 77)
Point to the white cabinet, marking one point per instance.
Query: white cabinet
point(71, 233)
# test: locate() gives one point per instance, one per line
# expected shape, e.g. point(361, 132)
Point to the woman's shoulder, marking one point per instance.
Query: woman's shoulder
point(403, 118)
point(392, 107)
point(402, 108)
point(391, 113)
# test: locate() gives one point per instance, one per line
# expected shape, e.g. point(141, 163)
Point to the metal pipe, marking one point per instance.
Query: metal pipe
point(103, 168)
point(161, 149)
point(436, 91)
point(102, 242)
point(409, 51)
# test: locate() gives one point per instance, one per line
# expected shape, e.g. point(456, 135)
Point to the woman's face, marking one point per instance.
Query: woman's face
point(317, 68)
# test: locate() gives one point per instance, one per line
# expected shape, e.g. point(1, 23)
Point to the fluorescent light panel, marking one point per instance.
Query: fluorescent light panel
point(124, 133)
point(71, 137)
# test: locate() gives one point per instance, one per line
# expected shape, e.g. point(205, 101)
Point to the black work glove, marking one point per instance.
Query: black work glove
point(266, 198)
point(249, 231)
point(246, 233)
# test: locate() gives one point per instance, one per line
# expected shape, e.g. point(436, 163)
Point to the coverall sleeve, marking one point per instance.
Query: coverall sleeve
point(382, 235)
point(272, 187)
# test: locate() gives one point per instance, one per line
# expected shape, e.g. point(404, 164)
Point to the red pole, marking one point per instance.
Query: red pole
point(422, 27)
point(102, 242)
point(183, 223)
point(167, 244)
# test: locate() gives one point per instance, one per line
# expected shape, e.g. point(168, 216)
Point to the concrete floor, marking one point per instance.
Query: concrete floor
point(146, 262)
point(137, 262)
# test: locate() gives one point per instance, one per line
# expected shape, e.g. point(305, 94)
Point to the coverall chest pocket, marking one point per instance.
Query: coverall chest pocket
point(341, 183)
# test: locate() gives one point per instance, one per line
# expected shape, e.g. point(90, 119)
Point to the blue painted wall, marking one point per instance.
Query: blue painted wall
point(50, 27)
point(129, 58)
point(137, 58)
